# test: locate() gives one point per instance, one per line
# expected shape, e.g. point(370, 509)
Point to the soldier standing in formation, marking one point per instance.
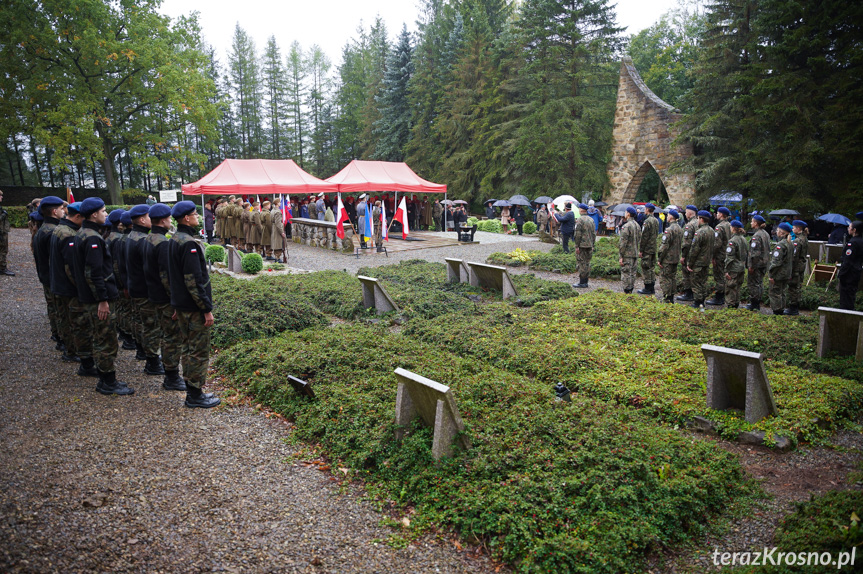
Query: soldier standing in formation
point(779, 268)
point(278, 237)
point(51, 209)
point(144, 314)
point(688, 234)
point(5, 227)
point(669, 256)
point(117, 244)
point(699, 258)
point(585, 237)
point(61, 283)
point(647, 250)
point(376, 223)
point(722, 235)
point(759, 253)
point(266, 231)
point(799, 252)
point(630, 238)
point(255, 228)
point(736, 254)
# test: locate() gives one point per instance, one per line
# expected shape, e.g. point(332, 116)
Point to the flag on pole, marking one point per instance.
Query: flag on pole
point(367, 228)
point(342, 217)
point(69, 197)
point(285, 208)
point(401, 216)
point(258, 198)
point(386, 232)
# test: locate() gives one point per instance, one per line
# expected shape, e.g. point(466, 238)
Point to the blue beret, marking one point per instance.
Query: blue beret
point(786, 226)
point(737, 223)
point(36, 216)
point(705, 213)
point(106, 223)
point(76, 207)
point(724, 210)
point(758, 218)
point(631, 210)
point(50, 201)
point(115, 216)
point(692, 207)
point(126, 219)
point(183, 208)
point(91, 205)
point(673, 213)
point(649, 206)
point(859, 215)
point(799, 223)
point(582, 206)
point(139, 210)
point(159, 210)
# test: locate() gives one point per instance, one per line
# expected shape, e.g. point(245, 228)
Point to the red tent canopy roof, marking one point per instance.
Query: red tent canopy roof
point(262, 176)
point(382, 176)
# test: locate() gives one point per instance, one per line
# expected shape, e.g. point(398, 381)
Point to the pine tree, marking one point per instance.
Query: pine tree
point(274, 90)
point(318, 66)
point(375, 61)
point(246, 91)
point(296, 96)
point(394, 123)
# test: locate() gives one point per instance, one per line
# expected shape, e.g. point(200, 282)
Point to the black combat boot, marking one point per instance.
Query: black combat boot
point(140, 355)
point(154, 366)
point(628, 291)
point(197, 398)
point(778, 312)
point(648, 289)
point(669, 299)
point(109, 385)
point(128, 341)
point(718, 299)
point(687, 296)
point(87, 368)
point(173, 381)
point(582, 284)
point(69, 358)
point(60, 346)
point(792, 310)
point(754, 305)
point(697, 303)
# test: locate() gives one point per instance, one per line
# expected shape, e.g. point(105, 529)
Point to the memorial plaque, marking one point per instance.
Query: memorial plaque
point(435, 405)
point(302, 387)
point(737, 379)
point(492, 277)
point(457, 271)
point(376, 297)
point(840, 331)
point(234, 259)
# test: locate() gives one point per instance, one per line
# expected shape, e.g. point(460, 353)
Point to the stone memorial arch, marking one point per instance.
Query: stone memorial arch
point(643, 132)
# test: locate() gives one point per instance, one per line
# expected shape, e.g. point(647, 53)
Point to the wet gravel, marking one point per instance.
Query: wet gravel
point(141, 484)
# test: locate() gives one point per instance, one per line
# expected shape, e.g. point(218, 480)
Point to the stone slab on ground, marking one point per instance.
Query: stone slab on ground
point(457, 271)
point(376, 297)
point(492, 277)
point(233, 259)
point(840, 331)
point(737, 379)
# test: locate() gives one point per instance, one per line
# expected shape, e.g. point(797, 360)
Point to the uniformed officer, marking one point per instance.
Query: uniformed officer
point(52, 210)
point(230, 224)
point(647, 250)
point(376, 226)
point(669, 255)
point(699, 258)
point(630, 238)
point(688, 234)
point(852, 266)
point(94, 281)
point(799, 251)
point(145, 315)
point(255, 228)
point(759, 253)
point(362, 207)
point(779, 268)
point(584, 239)
point(159, 295)
point(266, 231)
point(61, 282)
point(736, 255)
point(192, 300)
point(278, 237)
point(5, 227)
point(721, 235)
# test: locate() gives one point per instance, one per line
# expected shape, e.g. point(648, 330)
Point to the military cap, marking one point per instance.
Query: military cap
point(115, 216)
point(182, 209)
point(36, 216)
point(799, 223)
point(321, 194)
point(724, 211)
point(631, 211)
point(649, 206)
point(582, 206)
point(50, 201)
point(758, 218)
point(139, 211)
point(90, 206)
point(785, 226)
point(159, 210)
point(737, 223)
point(706, 214)
point(75, 207)
point(692, 207)
point(363, 196)
point(673, 213)
point(126, 219)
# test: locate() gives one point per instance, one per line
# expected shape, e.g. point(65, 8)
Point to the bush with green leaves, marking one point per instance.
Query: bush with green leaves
point(471, 221)
point(252, 263)
point(17, 214)
point(529, 227)
point(492, 226)
point(215, 253)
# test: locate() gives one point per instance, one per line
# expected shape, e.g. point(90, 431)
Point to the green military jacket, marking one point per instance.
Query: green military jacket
point(701, 250)
point(779, 268)
point(5, 226)
point(649, 233)
point(759, 249)
point(721, 237)
point(736, 252)
point(688, 235)
point(669, 248)
point(585, 232)
point(799, 253)
point(630, 237)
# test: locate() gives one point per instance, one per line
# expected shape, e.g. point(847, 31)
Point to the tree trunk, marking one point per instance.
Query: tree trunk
point(18, 159)
point(108, 167)
point(50, 169)
point(36, 162)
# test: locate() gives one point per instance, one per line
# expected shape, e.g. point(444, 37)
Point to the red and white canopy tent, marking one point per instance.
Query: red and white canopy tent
point(258, 176)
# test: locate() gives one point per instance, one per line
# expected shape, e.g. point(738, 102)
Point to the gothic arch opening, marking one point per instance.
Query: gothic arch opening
point(646, 185)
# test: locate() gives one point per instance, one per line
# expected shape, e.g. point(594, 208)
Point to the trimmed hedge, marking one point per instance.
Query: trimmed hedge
point(252, 263)
point(215, 253)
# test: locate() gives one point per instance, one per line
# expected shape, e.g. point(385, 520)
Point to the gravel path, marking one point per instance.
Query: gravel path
point(141, 484)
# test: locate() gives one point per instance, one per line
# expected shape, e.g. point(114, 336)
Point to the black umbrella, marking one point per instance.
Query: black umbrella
point(488, 201)
point(543, 199)
point(599, 204)
point(502, 203)
point(781, 212)
point(519, 200)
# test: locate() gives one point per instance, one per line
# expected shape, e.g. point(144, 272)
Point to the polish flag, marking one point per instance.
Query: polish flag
point(401, 216)
point(69, 197)
point(343, 216)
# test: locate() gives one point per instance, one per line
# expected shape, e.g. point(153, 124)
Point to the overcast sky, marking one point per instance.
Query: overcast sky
point(331, 23)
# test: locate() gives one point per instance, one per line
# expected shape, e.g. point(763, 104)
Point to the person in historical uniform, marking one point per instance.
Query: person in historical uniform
point(699, 258)
point(630, 238)
point(852, 266)
point(376, 223)
point(689, 229)
point(736, 255)
point(584, 239)
point(668, 256)
point(51, 208)
point(647, 250)
point(192, 300)
point(5, 227)
point(759, 254)
point(721, 237)
point(255, 228)
point(362, 208)
point(278, 236)
point(266, 231)
point(246, 219)
point(779, 268)
point(437, 214)
point(799, 253)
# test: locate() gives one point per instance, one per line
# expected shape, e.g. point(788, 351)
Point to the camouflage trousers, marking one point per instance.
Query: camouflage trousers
point(196, 347)
point(584, 256)
point(136, 327)
point(53, 311)
point(122, 311)
point(686, 283)
point(648, 267)
point(755, 283)
point(104, 335)
point(627, 273)
point(776, 291)
point(668, 280)
point(794, 287)
point(698, 282)
point(64, 323)
point(151, 329)
point(4, 250)
point(82, 329)
point(719, 273)
point(172, 337)
point(732, 289)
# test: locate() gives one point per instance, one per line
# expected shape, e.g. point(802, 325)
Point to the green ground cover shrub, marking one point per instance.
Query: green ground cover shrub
point(252, 263)
point(529, 227)
point(18, 216)
point(215, 253)
point(604, 264)
point(549, 486)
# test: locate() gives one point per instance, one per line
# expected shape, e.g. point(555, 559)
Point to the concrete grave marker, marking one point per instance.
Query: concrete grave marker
point(832, 252)
point(492, 277)
point(302, 387)
point(815, 249)
point(737, 379)
point(457, 271)
point(235, 261)
point(841, 331)
point(435, 405)
point(376, 297)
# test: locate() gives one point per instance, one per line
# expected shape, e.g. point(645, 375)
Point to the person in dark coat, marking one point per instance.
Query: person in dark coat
point(837, 236)
point(519, 217)
point(489, 211)
point(852, 266)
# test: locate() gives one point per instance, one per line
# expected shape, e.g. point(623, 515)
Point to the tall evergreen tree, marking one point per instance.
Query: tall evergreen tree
point(247, 92)
point(296, 96)
point(274, 96)
point(350, 98)
point(394, 123)
point(318, 66)
point(376, 65)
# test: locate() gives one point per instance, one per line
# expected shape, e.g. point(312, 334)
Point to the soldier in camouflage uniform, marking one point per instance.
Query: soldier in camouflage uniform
point(192, 299)
point(630, 238)
point(721, 235)
point(669, 255)
point(759, 254)
point(62, 284)
point(647, 250)
point(267, 231)
point(688, 235)
point(5, 227)
point(584, 239)
point(699, 258)
point(94, 280)
point(52, 210)
point(159, 295)
point(800, 244)
point(736, 254)
point(144, 314)
point(124, 303)
point(779, 268)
